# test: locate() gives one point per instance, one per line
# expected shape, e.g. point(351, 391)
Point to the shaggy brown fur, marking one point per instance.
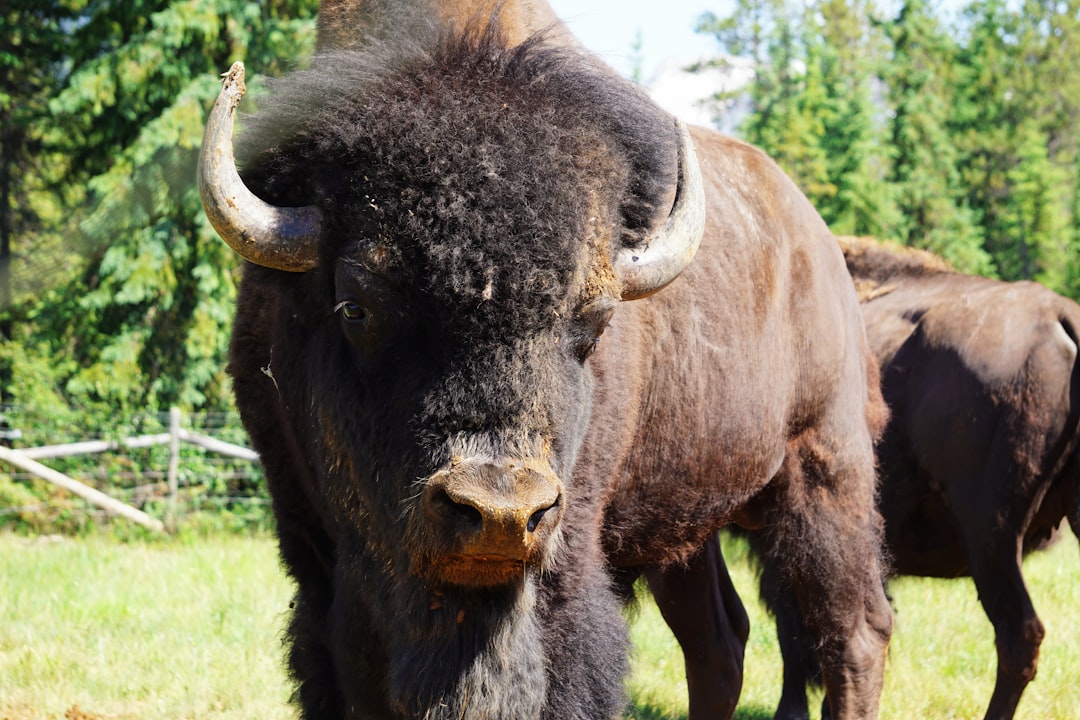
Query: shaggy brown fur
point(979, 462)
point(474, 196)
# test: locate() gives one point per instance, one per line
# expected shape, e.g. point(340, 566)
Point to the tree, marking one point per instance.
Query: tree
point(784, 120)
point(1017, 128)
point(143, 323)
point(963, 141)
point(1058, 26)
point(851, 48)
point(924, 170)
point(32, 37)
point(811, 103)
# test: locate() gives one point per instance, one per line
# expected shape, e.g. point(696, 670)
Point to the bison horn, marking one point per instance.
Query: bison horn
point(283, 238)
point(644, 271)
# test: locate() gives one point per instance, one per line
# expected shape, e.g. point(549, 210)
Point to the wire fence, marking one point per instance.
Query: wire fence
point(195, 466)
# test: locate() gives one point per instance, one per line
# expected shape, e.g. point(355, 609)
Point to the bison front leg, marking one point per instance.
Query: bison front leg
point(821, 538)
point(703, 610)
point(801, 667)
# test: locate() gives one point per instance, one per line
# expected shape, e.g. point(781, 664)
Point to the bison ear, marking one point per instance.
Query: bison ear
point(282, 238)
point(648, 269)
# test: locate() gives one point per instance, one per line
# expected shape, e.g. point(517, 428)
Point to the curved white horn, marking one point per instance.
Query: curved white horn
point(283, 238)
point(645, 270)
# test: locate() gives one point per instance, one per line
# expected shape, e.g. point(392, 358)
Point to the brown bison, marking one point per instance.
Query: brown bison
point(490, 389)
point(979, 461)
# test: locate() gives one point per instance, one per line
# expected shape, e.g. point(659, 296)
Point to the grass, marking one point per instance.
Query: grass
point(941, 663)
point(95, 628)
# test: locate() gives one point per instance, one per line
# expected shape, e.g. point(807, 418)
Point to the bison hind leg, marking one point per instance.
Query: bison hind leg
point(994, 559)
point(800, 661)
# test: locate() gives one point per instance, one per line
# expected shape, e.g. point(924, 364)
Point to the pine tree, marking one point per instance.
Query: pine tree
point(963, 141)
point(851, 48)
point(1055, 73)
point(144, 322)
point(32, 37)
point(1016, 128)
point(787, 88)
point(924, 169)
point(811, 103)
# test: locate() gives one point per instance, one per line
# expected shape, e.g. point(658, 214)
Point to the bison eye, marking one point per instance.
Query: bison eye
point(351, 312)
point(587, 347)
point(590, 323)
point(365, 303)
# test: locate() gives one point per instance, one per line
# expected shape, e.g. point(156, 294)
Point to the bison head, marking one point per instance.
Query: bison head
point(472, 219)
point(438, 235)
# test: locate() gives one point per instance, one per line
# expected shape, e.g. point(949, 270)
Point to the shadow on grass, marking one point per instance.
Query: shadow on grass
point(641, 711)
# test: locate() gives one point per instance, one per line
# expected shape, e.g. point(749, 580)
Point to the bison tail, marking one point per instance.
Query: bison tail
point(1069, 321)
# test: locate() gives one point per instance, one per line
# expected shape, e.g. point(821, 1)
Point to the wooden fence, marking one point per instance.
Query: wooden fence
point(26, 459)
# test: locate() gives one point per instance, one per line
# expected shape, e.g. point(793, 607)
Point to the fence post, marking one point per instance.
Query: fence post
point(174, 469)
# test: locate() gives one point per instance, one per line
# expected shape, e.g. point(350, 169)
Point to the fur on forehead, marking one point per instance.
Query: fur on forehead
point(485, 168)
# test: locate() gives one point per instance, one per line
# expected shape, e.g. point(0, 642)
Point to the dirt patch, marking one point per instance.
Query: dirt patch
point(74, 712)
point(77, 713)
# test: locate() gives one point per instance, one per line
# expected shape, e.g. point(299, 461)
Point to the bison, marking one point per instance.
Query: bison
point(978, 462)
point(508, 338)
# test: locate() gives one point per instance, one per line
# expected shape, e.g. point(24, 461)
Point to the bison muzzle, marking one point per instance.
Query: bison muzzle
point(489, 520)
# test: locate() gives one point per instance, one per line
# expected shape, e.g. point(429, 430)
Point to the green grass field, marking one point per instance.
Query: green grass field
point(95, 628)
point(941, 661)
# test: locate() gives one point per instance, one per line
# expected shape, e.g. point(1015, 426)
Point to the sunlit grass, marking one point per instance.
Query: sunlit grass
point(941, 663)
point(133, 630)
point(95, 628)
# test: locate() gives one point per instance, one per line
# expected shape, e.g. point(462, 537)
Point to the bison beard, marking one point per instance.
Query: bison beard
point(456, 476)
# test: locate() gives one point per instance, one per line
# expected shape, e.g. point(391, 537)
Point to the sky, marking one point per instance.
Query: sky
point(609, 28)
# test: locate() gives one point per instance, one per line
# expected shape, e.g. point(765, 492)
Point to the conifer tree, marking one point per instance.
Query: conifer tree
point(143, 322)
point(924, 169)
point(811, 108)
point(851, 48)
point(787, 90)
point(1016, 129)
point(32, 38)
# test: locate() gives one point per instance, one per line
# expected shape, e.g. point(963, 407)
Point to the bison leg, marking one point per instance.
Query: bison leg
point(821, 537)
point(800, 661)
point(1018, 632)
point(703, 610)
point(851, 625)
point(1074, 510)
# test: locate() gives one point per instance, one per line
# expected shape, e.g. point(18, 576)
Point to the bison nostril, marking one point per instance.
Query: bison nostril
point(536, 517)
point(467, 514)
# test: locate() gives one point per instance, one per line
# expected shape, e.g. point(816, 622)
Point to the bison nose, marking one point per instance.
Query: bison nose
point(493, 511)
